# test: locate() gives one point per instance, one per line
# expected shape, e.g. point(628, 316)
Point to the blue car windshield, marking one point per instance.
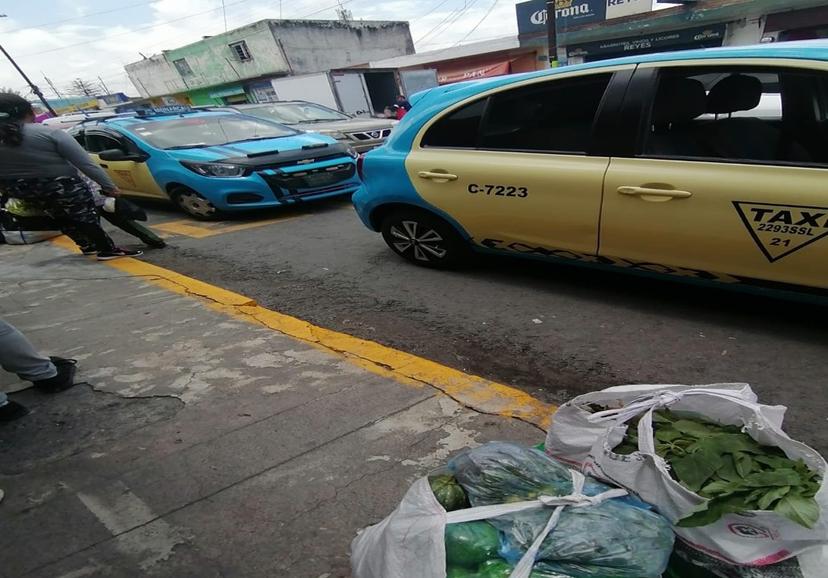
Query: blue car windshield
point(208, 130)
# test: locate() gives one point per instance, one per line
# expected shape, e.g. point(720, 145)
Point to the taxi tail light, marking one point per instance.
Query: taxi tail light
point(360, 166)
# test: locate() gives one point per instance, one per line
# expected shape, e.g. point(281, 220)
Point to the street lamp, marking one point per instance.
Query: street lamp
point(33, 86)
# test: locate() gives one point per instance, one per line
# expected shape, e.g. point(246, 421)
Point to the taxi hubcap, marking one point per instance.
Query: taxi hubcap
point(196, 204)
point(425, 243)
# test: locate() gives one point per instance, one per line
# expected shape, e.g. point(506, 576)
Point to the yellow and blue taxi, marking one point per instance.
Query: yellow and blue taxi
point(211, 163)
point(709, 165)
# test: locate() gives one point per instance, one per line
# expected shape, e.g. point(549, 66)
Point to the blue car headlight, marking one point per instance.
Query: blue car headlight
point(220, 170)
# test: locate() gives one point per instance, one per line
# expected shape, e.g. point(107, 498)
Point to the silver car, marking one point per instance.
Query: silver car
point(362, 134)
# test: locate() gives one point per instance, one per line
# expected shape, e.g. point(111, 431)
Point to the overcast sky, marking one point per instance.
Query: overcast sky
point(67, 39)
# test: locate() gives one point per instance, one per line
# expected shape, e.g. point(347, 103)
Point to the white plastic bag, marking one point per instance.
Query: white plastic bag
point(754, 538)
point(572, 434)
point(410, 542)
point(28, 237)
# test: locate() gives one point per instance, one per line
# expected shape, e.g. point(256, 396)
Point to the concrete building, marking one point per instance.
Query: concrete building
point(473, 60)
point(238, 66)
point(591, 30)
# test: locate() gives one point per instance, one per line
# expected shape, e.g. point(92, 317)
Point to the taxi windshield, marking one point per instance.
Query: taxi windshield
point(296, 112)
point(208, 130)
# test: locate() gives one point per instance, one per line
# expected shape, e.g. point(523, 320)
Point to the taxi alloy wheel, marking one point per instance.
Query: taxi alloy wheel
point(423, 239)
point(195, 205)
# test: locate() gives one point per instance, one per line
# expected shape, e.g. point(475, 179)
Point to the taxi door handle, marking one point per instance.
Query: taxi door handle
point(654, 194)
point(103, 166)
point(436, 176)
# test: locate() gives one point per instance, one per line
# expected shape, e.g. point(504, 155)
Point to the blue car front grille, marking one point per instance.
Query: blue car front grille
point(311, 181)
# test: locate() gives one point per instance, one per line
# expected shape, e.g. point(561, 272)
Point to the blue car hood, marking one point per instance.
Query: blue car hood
point(241, 149)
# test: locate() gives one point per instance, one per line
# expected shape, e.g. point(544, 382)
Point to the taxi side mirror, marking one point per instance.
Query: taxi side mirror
point(120, 155)
point(112, 155)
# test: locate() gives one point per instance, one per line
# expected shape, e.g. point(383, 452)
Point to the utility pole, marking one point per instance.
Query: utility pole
point(552, 33)
point(224, 11)
point(31, 84)
point(51, 85)
point(103, 84)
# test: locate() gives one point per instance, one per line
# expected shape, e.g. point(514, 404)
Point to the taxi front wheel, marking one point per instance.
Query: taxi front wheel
point(194, 204)
point(424, 239)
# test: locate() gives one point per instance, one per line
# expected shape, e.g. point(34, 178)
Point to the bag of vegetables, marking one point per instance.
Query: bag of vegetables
point(505, 511)
point(716, 464)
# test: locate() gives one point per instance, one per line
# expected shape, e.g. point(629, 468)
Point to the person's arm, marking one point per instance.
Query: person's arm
point(69, 149)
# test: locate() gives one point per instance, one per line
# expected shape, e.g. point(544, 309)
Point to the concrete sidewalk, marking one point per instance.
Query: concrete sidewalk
point(203, 445)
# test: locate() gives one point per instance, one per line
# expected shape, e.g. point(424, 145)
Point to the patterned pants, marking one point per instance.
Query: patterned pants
point(69, 202)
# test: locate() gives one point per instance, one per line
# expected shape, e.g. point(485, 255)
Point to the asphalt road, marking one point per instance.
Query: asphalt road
point(555, 331)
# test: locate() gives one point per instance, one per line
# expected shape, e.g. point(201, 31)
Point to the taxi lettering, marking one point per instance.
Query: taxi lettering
point(780, 230)
point(499, 190)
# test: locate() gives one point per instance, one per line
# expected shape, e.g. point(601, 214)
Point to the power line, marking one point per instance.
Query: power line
point(449, 20)
point(334, 7)
point(80, 17)
point(433, 9)
point(479, 22)
point(133, 31)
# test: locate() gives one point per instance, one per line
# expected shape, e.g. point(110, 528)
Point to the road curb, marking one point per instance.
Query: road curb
point(474, 392)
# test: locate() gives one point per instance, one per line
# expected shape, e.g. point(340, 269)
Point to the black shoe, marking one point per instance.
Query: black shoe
point(159, 244)
point(64, 379)
point(12, 411)
point(117, 253)
point(89, 250)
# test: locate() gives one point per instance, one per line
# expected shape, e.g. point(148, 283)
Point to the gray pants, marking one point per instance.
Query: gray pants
point(19, 356)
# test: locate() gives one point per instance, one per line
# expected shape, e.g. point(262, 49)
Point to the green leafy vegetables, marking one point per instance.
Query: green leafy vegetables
point(729, 468)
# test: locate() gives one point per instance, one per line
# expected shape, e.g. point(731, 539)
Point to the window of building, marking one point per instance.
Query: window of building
point(554, 116)
point(240, 50)
point(740, 114)
point(182, 66)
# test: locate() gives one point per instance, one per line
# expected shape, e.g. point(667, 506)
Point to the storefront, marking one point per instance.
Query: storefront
point(687, 39)
point(797, 25)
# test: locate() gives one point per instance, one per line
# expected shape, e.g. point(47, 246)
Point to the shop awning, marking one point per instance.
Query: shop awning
point(229, 91)
point(448, 75)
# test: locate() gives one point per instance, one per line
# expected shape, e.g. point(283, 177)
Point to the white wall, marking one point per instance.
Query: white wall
point(311, 87)
point(744, 32)
point(154, 76)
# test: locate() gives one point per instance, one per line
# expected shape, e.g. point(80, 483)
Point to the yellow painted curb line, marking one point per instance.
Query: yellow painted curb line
point(475, 392)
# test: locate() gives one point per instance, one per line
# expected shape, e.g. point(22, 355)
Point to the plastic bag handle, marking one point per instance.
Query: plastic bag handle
point(575, 500)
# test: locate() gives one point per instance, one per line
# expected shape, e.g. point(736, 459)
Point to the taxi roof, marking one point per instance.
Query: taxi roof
point(135, 118)
point(801, 49)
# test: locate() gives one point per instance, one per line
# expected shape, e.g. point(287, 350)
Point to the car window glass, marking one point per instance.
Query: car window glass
point(740, 114)
point(96, 143)
point(296, 112)
point(457, 130)
point(208, 130)
point(556, 116)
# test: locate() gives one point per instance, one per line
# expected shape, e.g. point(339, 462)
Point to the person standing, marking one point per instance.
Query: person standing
point(18, 355)
point(40, 165)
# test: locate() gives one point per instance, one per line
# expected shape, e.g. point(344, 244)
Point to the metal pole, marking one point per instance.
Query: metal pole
point(104, 85)
point(224, 11)
point(552, 33)
point(33, 86)
point(52, 86)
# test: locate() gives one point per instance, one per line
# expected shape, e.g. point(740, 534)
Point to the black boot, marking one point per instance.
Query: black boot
point(64, 379)
point(12, 411)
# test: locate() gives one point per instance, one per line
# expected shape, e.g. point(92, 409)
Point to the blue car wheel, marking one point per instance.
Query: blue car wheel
point(194, 204)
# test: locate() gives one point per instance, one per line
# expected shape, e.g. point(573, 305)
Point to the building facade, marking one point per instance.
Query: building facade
point(589, 30)
point(238, 66)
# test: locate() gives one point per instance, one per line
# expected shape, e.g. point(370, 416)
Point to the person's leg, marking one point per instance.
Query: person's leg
point(71, 203)
point(134, 229)
point(18, 355)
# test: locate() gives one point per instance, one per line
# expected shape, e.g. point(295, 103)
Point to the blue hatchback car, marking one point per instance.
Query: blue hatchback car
point(210, 163)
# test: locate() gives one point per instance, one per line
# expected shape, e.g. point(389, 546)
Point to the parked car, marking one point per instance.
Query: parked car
point(707, 165)
point(363, 134)
point(209, 163)
point(65, 121)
